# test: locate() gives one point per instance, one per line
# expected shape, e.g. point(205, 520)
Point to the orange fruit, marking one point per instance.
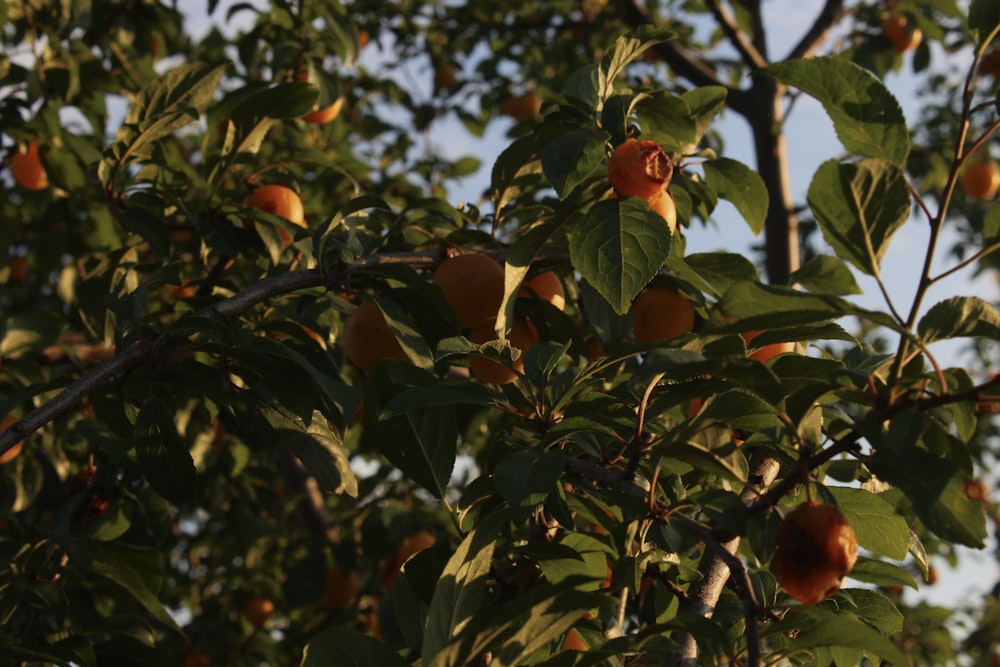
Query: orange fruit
point(768, 352)
point(326, 114)
point(661, 313)
point(195, 657)
point(341, 588)
point(639, 168)
point(367, 338)
point(990, 63)
point(522, 335)
point(408, 547)
point(981, 180)
point(26, 165)
point(903, 39)
point(363, 38)
point(18, 269)
point(574, 642)
point(473, 285)
point(521, 107)
point(281, 201)
point(816, 548)
point(663, 203)
point(445, 76)
point(545, 286)
point(258, 610)
point(11, 453)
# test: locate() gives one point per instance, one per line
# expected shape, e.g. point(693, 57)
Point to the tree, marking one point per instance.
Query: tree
point(206, 477)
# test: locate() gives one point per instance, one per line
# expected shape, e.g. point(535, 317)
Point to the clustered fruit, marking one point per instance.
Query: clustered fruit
point(640, 168)
point(816, 548)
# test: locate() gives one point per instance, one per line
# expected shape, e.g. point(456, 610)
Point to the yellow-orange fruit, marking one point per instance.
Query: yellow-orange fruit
point(281, 201)
point(367, 338)
point(363, 38)
point(11, 453)
point(341, 588)
point(661, 313)
point(326, 114)
point(473, 285)
point(816, 549)
point(522, 335)
point(902, 38)
point(520, 107)
point(545, 286)
point(639, 168)
point(26, 166)
point(663, 203)
point(574, 642)
point(768, 352)
point(258, 610)
point(981, 180)
point(408, 547)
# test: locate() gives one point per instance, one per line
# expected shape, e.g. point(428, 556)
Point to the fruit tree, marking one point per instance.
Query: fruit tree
point(278, 386)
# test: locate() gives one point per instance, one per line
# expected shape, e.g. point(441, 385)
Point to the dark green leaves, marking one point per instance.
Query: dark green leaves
point(742, 187)
point(618, 246)
point(867, 118)
point(341, 646)
point(984, 18)
point(960, 316)
point(570, 158)
point(165, 460)
point(858, 207)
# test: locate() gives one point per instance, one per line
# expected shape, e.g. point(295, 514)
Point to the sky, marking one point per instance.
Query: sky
point(811, 141)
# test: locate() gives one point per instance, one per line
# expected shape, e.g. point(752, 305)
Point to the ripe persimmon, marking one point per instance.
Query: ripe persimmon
point(473, 284)
point(816, 548)
point(18, 269)
point(408, 547)
point(195, 657)
point(521, 107)
point(573, 642)
point(661, 313)
point(445, 76)
point(902, 37)
point(522, 335)
point(767, 352)
point(367, 338)
point(663, 203)
point(545, 286)
point(341, 588)
point(11, 453)
point(26, 166)
point(639, 168)
point(326, 114)
point(258, 610)
point(990, 63)
point(281, 201)
point(981, 180)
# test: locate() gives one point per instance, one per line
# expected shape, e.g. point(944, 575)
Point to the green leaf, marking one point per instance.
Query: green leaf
point(742, 187)
point(318, 448)
point(984, 17)
point(526, 478)
point(461, 589)
point(342, 646)
point(822, 627)
point(595, 83)
point(960, 316)
point(878, 527)
point(570, 158)
point(936, 488)
point(757, 306)
point(991, 226)
point(874, 608)
point(618, 247)
point(666, 119)
point(705, 102)
point(867, 118)
point(118, 564)
point(163, 456)
point(859, 206)
point(713, 272)
point(825, 274)
point(881, 573)
point(518, 160)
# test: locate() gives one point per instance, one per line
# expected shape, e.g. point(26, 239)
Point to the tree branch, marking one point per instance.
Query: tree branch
point(818, 31)
point(126, 361)
point(752, 57)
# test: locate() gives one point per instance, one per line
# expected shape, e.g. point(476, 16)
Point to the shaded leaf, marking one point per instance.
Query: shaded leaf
point(742, 187)
point(960, 316)
point(570, 158)
point(825, 274)
point(163, 456)
point(878, 527)
point(342, 646)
